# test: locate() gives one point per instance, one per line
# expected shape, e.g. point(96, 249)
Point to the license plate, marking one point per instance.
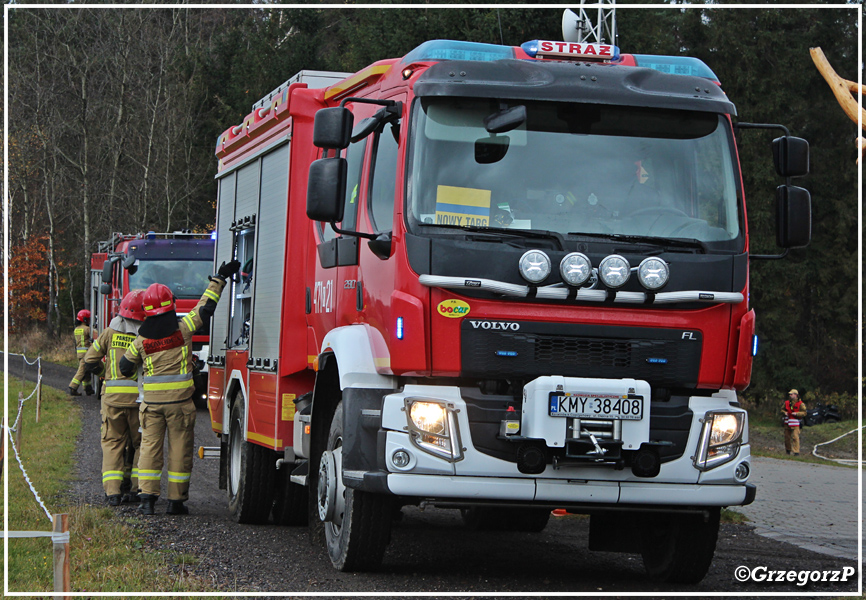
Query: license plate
point(581, 405)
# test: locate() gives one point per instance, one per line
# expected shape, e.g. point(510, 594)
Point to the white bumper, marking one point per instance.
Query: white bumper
point(474, 475)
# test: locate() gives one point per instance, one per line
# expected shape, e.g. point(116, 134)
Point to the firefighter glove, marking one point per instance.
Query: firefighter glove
point(226, 270)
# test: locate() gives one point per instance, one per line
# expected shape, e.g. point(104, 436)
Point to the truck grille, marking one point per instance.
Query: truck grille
point(660, 356)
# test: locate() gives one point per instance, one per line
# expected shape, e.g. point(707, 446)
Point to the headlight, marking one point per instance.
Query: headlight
point(653, 273)
point(614, 271)
point(534, 266)
point(575, 268)
point(432, 428)
point(720, 439)
point(429, 417)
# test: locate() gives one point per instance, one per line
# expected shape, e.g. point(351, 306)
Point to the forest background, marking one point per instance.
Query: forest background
point(114, 115)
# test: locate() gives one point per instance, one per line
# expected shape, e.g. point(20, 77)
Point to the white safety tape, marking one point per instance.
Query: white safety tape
point(27, 477)
point(21, 404)
point(57, 538)
point(842, 461)
point(38, 358)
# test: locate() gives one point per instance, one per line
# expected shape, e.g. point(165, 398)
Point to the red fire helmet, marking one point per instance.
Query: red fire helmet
point(131, 306)
point(157, 299)
point(83, 315)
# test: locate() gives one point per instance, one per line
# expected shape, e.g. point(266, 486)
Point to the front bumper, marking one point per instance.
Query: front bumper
point(566, 492)
point(476, 476)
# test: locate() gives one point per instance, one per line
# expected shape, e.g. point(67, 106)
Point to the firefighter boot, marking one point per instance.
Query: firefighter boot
point(114, 500)
point(73, 391)
point(88, 389)
point(147, 502)
point(131, 497)
point(176, 507)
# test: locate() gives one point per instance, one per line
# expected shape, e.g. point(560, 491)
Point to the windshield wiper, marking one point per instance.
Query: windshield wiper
point(665, 243)
point(498, 232)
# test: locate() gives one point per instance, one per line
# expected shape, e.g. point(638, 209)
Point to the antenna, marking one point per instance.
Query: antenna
point(579, 27)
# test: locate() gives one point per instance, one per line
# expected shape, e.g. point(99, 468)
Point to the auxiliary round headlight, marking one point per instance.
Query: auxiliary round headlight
point(653, 273)
point(614, 271)
point(534, 266)
point(575, 268)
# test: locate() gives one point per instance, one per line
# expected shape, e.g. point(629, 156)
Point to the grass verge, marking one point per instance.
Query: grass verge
point(107, 552)
point(767, 438)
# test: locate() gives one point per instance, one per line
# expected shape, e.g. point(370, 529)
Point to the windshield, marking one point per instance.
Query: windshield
point(573, 169)
point(185, 278)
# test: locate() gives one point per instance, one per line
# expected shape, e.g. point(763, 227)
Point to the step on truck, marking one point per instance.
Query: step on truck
point(496, 279)
point(182, 260)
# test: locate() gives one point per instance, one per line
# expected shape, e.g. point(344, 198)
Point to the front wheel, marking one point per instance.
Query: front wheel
point(251, 473)
point(679, 548)
point(357, 523)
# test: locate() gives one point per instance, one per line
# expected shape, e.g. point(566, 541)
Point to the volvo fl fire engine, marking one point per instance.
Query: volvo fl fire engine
point(181, 260)
point(496, 279)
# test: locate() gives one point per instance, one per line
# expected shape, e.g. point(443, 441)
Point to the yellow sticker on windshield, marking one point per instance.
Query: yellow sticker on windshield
point(464, 207)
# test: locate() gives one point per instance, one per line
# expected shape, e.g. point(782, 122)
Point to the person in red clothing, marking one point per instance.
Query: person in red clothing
point(793, 410)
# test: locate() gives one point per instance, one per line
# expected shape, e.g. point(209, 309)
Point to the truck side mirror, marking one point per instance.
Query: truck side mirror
point(333, 128)
point(793, 216)
point(106, 271)
point(791, 156)
point(326, 189)
point(105, 289)
point(128, 261)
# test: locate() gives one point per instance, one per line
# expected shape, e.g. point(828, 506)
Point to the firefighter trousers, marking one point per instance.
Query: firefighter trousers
point(175, 421)
point(792, 439)
point(78, 378)
point(120, 429)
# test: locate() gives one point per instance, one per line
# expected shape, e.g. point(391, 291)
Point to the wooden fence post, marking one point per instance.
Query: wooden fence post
point(61, 557)
point(39, 392)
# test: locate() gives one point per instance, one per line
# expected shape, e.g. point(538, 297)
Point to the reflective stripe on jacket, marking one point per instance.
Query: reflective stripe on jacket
point(82, 340)
point(118, 390)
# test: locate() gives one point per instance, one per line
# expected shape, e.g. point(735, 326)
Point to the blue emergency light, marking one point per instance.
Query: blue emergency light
point(454, 50)
point(676, 65)
point(754, 345)
point(399, 328)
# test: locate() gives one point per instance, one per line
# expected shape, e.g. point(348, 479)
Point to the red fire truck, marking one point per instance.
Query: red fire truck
point(497, 279)
point(182, 260)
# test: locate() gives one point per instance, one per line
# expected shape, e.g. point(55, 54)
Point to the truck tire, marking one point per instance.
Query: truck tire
point(491, 518)
point(679, 548)
point(251, 473)
point(357, 523)
point(290, 499)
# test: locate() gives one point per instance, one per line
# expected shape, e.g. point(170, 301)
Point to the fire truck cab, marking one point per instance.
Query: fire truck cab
point(497, 279)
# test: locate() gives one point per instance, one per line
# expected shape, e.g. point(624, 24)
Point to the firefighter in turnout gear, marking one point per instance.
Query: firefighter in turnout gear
point(120, 426)
point(794, 408)
point(164, 348)
point(83, 340)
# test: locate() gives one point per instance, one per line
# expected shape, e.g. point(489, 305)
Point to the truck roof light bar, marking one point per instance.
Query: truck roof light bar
point(676, 65)
point(583, 294)
point(437, 50)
